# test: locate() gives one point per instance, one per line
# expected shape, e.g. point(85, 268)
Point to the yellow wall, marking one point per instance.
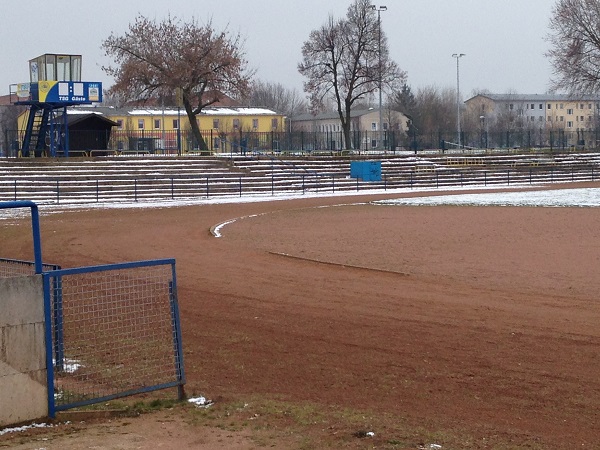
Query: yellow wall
point(205, 121)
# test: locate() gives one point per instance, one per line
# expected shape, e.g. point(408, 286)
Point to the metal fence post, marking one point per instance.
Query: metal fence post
point(49, 350)
point(57, 309)
point(177, 344)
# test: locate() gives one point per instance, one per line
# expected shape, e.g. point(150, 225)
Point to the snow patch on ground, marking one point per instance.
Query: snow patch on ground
point(587, 197)
point(25, 428)
point(200, 402)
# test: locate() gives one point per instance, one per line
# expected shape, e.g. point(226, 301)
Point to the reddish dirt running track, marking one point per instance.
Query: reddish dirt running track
point(472, 327)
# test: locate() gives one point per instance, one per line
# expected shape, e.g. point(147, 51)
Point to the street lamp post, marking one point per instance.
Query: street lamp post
point(458, 56)
point(379, 9)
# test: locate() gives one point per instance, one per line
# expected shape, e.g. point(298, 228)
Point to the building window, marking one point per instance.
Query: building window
point(589, 106)
point(120, 124)
point(549, 106)
point(236, 124)
point(216, 124)
point(176, 124)
point(570, 111)
point(549, 118)
point(373, 126)
point(532, 106)
point(541, 118)
point(569, 124)
point(562, 118)
point(511, 106)
point(581, 106)
point(385, 126)
point(255, 124)
point(274, 123)
point(140, 124)
point(562, 105)
point(157, 124)
point(541, 106)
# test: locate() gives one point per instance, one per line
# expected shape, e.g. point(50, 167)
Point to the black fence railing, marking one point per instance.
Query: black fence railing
point(138, 189)
point(98, 143)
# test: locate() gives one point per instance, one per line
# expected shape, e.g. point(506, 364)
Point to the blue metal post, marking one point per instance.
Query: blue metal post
point(48, 336)
point(177, 342)
point(35, 227)
point(66, 132)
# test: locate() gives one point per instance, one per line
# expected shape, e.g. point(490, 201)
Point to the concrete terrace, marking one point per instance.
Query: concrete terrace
point(79, 180)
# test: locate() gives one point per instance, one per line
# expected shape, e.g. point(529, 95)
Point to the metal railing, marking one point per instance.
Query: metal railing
point(140, 189)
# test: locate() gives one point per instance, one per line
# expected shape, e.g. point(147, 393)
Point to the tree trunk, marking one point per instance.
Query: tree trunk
point(194, 124)
point(347, 137)
point(347, 124)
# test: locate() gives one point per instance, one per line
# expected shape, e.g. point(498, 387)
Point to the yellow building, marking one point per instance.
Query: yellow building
point(224, 129)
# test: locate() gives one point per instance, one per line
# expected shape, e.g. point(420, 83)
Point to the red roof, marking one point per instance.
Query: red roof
point(5, 100)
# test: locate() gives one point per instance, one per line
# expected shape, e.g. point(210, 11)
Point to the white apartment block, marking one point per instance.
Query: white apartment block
point(536, 111)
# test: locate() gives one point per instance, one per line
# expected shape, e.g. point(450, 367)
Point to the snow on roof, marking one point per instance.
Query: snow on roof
point(83, 111)
point(220, 111)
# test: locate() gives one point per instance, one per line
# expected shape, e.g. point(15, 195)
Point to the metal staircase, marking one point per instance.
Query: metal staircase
point(45, 131)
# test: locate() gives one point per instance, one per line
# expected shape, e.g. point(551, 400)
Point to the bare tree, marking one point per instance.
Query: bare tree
point(155, 59)
point(345, 60)
point(575, 45)
point(277, 97)
point(435, 109)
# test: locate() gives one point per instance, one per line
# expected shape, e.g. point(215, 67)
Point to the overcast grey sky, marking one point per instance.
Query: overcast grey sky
point(503, 39)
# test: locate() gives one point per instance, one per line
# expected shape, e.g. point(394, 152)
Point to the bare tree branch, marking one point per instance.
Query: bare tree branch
point(575, 46)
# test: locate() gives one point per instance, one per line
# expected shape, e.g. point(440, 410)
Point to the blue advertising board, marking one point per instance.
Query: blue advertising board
point(68, 92)
point(366, 170)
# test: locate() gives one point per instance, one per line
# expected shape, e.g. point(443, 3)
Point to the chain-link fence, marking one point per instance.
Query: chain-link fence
point(17, 268)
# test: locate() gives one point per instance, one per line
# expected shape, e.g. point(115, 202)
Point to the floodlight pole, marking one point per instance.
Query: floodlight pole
point(458, 56)
point(379, 9)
